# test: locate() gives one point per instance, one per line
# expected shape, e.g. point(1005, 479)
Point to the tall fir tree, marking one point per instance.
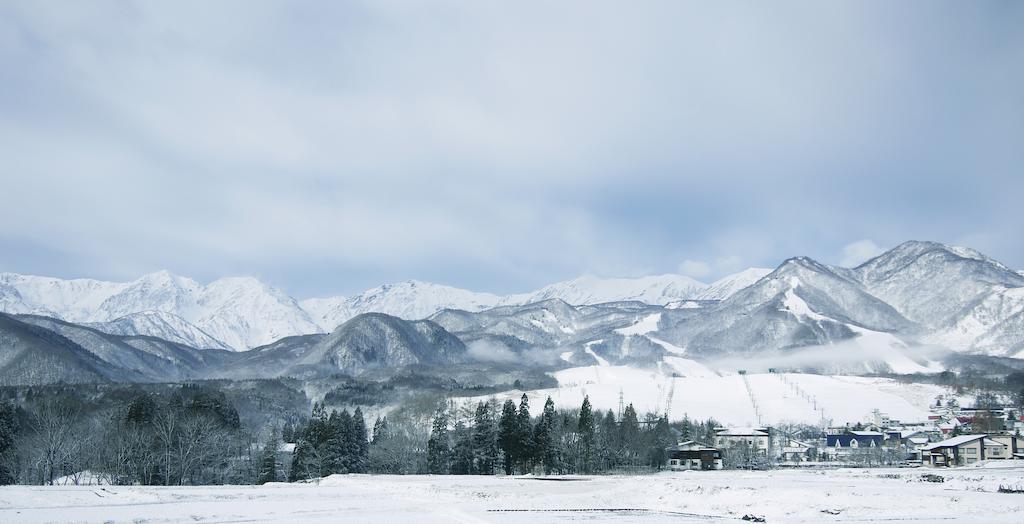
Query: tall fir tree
point(462, 451)
point(9, 427)
point(586, 437)
point(380, 430)
point(508, 436)
point(660, 438)
point(607, 441)
point(545, 446)
point(524, 447)
point(439, 445)
point(485, 444)
point(361, 446)
point(629, 436)
point(268, 459)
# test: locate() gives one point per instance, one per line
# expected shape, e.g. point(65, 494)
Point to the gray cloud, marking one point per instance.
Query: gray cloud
point(332, 147)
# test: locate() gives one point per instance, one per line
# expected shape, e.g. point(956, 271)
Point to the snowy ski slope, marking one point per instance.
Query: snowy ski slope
point(685, 387)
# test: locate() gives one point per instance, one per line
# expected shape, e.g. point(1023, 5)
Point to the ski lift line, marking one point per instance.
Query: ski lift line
point(809, 398)
point(753, 399)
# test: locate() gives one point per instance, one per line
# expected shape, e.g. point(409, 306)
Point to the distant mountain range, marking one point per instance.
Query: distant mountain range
point(885, 314)
point(242, 313)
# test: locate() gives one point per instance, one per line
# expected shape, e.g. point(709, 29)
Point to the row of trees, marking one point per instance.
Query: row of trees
point(192, 436)
point(564, 442)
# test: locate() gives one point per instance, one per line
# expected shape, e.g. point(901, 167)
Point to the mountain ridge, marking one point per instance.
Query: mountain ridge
point(927, 292)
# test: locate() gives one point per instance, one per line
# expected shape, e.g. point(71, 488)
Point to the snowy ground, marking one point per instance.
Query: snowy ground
point(702, 393)
point(864, 495)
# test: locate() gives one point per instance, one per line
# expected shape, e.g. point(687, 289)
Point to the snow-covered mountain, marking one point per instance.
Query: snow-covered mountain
point(585, 290)
point(917, 292)
point(802, 303)
point(241, 313)
point(931, 283)
point(238, 313)
point(160, 324)
point(416, 300)
point(411, 300)
point(74, 300)
point(727, 286)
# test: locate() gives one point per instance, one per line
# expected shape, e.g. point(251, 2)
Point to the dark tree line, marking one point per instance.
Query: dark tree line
point(192, 436)
point(581, 441)
point(330, 443)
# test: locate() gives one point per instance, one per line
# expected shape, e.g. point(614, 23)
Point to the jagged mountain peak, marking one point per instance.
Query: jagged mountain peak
point(727, 286)
point(164, 279)
point(589, 289)
point(800, 264)
point(932, 283)
point(914, 250)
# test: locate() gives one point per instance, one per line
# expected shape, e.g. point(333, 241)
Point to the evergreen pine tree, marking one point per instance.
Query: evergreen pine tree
point(462, 452)
point(545, 447)
point(508, 436)
point(288, 432)
point(629, 431)
point(485, 445)
point(347, 446)
point(439, 446)
point(585, 431)
point(607, 441)
point(268, 459)
point(660, 439)
point(360, 445)
point(305, 461)
point(380, 430)
point(9, 427)
point(524, 436)
point(331, 444)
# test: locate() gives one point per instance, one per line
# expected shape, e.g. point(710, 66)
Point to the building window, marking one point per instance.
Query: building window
point(971, 451)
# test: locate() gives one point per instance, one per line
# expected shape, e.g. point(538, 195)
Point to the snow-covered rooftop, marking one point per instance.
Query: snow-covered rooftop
point(955, 441)
point(742, 432)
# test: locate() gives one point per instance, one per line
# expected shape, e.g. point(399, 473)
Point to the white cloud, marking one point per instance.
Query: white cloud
point(859, 252)
point(490, 351)
point(384, 140)
point(694, 268)
point(728, 264)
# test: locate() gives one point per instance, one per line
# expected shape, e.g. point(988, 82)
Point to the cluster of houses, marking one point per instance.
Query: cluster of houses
point(951, 437)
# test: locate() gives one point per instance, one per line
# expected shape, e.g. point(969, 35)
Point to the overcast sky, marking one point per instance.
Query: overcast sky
point(328, 147)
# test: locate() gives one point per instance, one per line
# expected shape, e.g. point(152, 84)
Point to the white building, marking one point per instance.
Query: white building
point(756, 439)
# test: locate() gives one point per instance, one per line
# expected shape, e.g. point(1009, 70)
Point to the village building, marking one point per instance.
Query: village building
point(797, 451)
point(961, 451)
point(841, 445)
point(757, 440)
point(693, 455)
point(1007, 447)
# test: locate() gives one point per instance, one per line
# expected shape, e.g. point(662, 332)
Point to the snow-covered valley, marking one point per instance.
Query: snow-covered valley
point(841, 495)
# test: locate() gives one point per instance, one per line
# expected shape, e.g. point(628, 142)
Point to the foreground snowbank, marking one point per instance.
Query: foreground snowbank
point(966, 495)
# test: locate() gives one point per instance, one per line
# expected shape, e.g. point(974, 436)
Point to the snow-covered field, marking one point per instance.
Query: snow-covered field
point(864, 495)
point(702, 393)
